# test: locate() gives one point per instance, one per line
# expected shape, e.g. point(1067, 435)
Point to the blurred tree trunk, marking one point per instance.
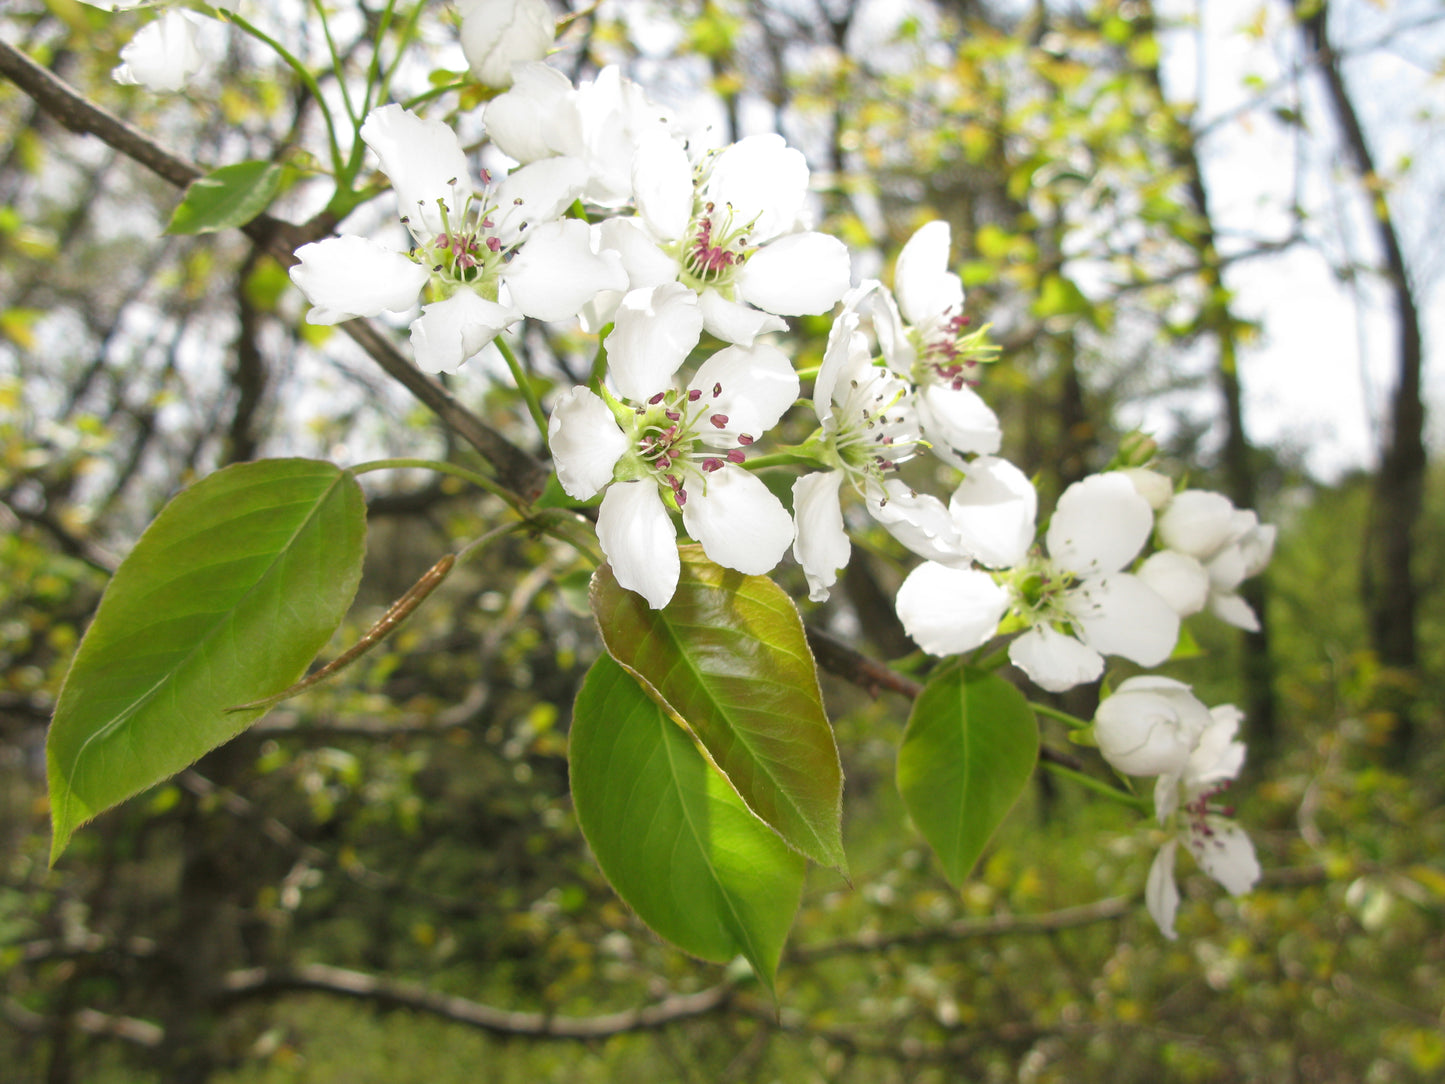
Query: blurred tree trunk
point(1216, 319)
point(1388, 583)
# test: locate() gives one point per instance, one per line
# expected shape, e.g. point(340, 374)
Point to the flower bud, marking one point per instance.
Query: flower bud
point(499, 33)
point(1150, 726)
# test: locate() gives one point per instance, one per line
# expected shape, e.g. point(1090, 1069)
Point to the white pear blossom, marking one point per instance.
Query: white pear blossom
point(867, 428)
point(948, 611)
point(1081, 603)
point(496, 34)
point(869, 425)
point(600, 123)
point(1077, 601)
point(165, 54)
point(925, 338)
point(487, 258)
point(1150, 726)
point(734, 227)
point(657, 446)
point(1209, 548)
point(1156, 726)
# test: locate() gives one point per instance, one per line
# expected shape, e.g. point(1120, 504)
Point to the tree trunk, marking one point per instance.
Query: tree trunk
point(1216, 319)
point(1387, 577)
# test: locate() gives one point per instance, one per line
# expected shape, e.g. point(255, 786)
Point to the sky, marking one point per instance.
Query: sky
point(1320, 375)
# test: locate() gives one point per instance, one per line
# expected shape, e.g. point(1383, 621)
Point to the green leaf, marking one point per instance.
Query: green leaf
point(672, 836)
point(970, 747)
point(728, 658)
point(225, 599)
point(226, 197)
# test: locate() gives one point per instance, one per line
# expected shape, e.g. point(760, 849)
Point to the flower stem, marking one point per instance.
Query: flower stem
point(436, 92)
point(373, 70)
point(558, 523)
point(599, 362)
point(1098, 786)
point(481, 481)
point(1071, 721)
point(524, 385)
point(336, 63)
point(408, 32)
point(304, 74)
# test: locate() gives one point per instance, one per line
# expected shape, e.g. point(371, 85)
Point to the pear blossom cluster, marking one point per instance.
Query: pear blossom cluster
point(1154, 726)
point(687, 263)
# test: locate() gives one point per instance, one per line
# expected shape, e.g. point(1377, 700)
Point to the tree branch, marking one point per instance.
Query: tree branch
point(1105, 910)
point(319, 978)
point(516, 468)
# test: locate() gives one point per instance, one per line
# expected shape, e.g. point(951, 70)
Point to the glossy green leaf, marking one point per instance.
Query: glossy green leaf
point(673, 838)
point(969, 750)
point(728, 658)
point(226, 197)
point(225, 599)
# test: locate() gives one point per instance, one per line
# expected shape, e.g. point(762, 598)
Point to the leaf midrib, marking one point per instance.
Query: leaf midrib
point(667, 625)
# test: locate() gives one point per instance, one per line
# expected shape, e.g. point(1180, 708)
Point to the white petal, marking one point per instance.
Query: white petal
point(496, 34)
point(762, 180)
point(947, 611)
point(163, 55)
point(1161, 894)
point(533, 195)
point(1257, 545)
point(893, 338)
point(662, 186)
point(994, 508)
point(616, 117)
point(350, 276)
point(1100, 525)
point(1121, 615)
point(847, 347)
point(1154, 487)
point(925, 287)
point(1196, 522)
point(751, 387)
point(653, 331)
point(1166, 796)
point(1054, 661)
point(799, 275)
point(637, 535)
point(1140, 730)
point(821, 544)
point(586, 442)
point(957, 422)
point(1217, 756)
point(453, 331)
point(1234, 610)
point(646, 264)
point(733, 322)
point(1179, 579)
point(425, 163)
point(1226, 568)
point(919, 520)
point(537, 117)
point(737, 519)
point(557, 272)
point(1225, 852)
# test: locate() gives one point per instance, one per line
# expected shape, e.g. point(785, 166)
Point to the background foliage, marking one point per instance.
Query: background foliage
point(385, 879)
